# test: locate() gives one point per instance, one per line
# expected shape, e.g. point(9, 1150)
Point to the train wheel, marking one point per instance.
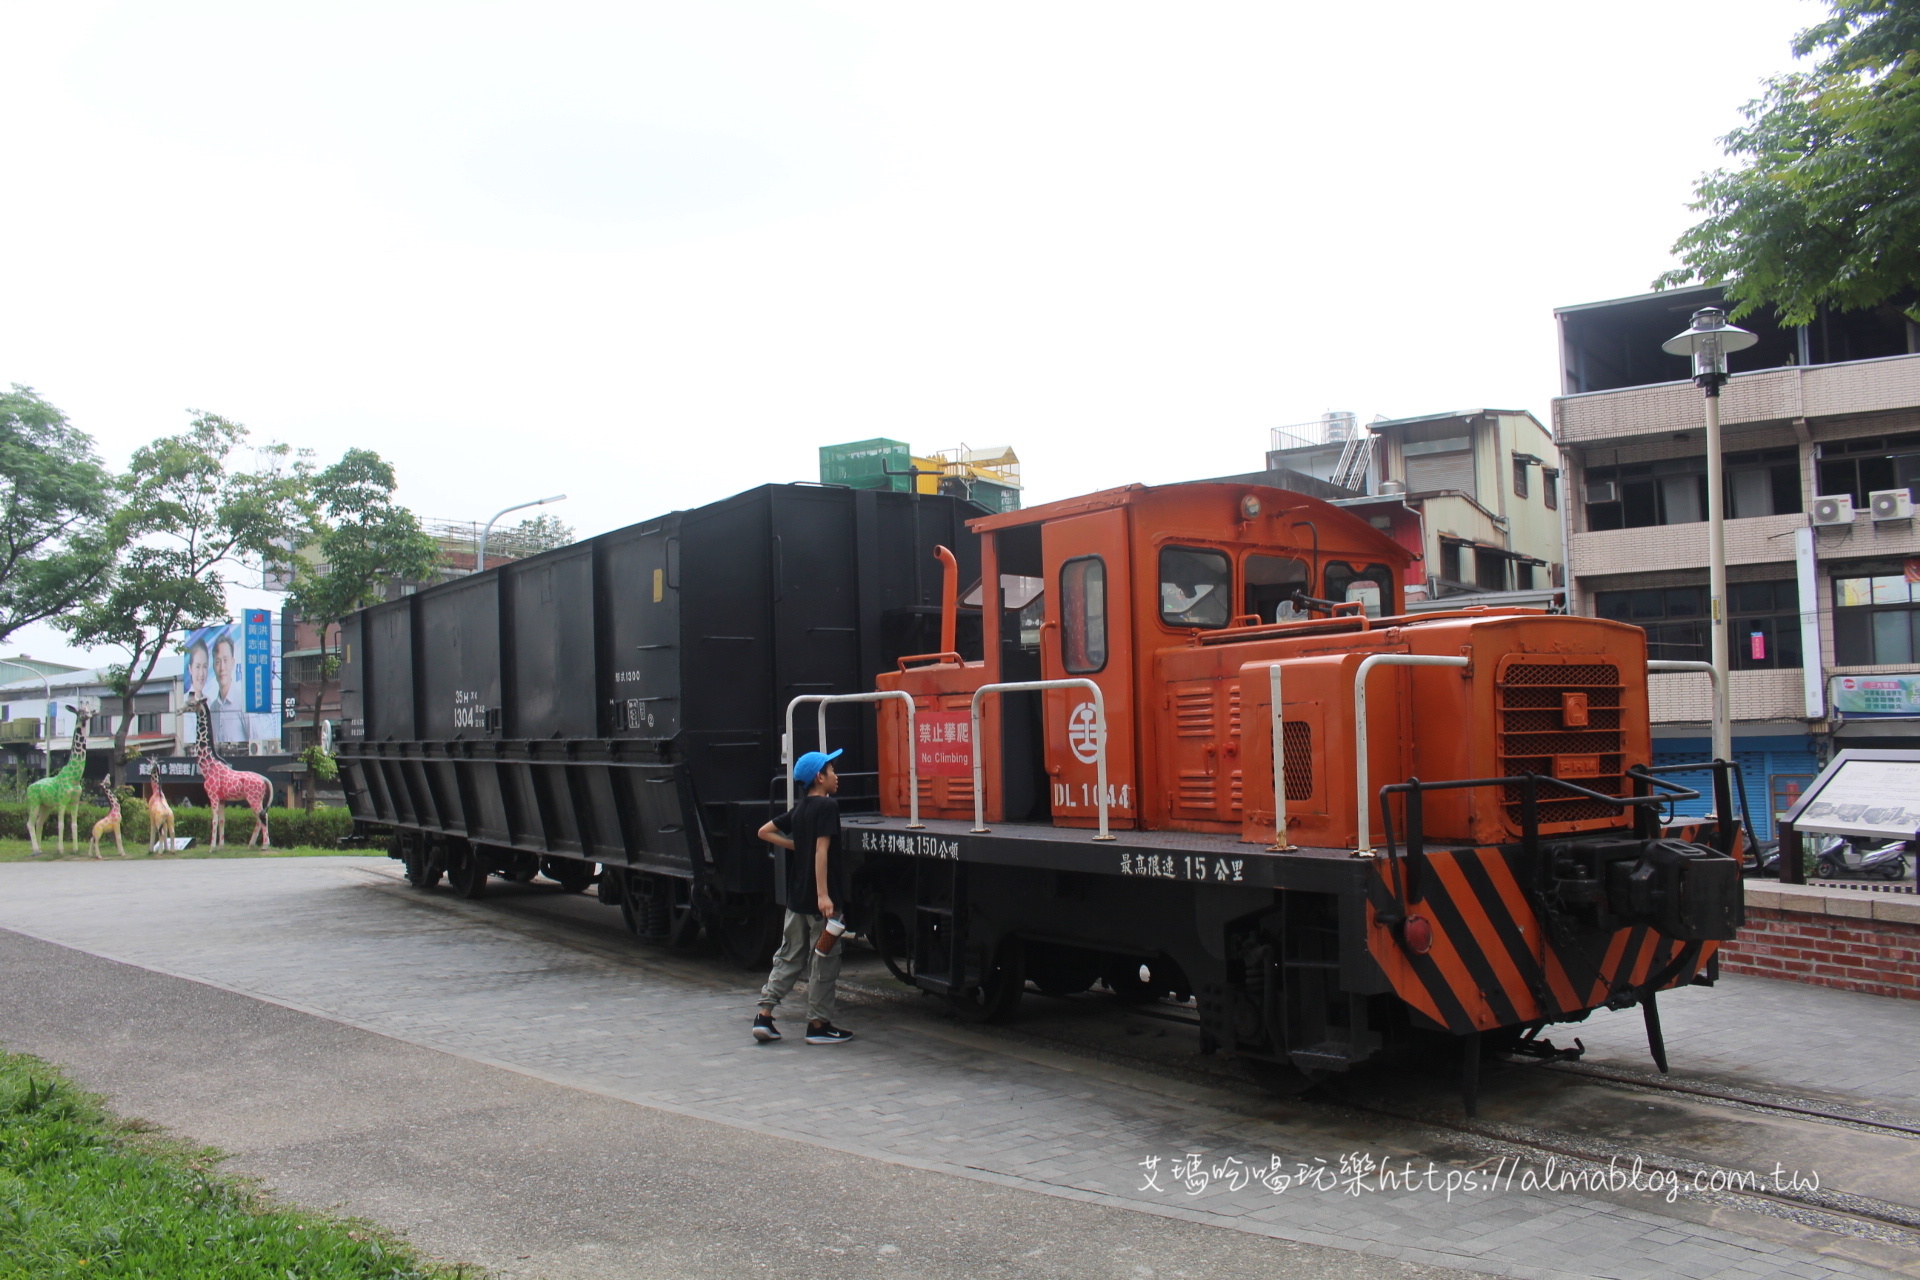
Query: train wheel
point(998, 995)
point(890, 940)
point(747, 927)
point(467, 871)
point(567, 873)
point(649, 917)
point(423, 868)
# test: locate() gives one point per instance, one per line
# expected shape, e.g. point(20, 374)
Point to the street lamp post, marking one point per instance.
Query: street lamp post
point(480, 556)
point(48, 685)
point(1709, 340)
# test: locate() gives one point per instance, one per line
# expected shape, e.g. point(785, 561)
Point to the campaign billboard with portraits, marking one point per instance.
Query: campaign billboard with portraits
point(232, 665)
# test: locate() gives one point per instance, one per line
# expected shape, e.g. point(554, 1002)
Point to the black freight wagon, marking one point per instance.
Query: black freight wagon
point(621, 701)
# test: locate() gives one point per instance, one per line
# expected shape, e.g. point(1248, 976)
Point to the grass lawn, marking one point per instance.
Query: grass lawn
point(86, 1193)
point(18, 851)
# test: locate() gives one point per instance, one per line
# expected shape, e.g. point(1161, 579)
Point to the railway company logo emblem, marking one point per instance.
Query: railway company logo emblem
point(1083, 733)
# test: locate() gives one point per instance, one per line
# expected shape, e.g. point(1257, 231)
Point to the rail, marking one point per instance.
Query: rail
point(1721, 731)
point(1363, 836)
point(1280, 843)
point(883, 695)
point(1099, 733)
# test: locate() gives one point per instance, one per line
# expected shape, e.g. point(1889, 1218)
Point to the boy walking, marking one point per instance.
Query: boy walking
point(816, 892)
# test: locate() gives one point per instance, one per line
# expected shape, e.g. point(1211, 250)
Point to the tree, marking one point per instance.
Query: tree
point(185, 515)
point(55, 548)
point(1824, 207)
point(541, 533)
point(365, 541)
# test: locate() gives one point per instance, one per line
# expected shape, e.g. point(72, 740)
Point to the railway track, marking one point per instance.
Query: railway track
point(1411, 1102)
point(1841, 1212)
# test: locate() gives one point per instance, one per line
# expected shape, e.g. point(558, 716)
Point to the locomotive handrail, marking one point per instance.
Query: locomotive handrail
point(1099, 733)
point(1720, 729)
point(1363, 840)
point(1279, 730)
point(883, 695)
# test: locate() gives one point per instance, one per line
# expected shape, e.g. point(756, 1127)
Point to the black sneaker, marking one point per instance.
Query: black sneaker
point(827, 1033)
point(763, 1029)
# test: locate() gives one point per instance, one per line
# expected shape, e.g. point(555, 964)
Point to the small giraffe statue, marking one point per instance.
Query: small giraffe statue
point(109, 823)
point(224, 783)
point(60, 792)
point(159, 814)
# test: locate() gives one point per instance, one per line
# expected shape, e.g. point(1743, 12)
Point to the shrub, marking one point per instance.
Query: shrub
point(289, 828)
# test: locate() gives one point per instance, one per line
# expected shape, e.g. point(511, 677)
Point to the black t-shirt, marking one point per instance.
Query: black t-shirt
point(806, 822)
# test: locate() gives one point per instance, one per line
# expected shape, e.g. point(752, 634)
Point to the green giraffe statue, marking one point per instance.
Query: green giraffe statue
point(60, 792)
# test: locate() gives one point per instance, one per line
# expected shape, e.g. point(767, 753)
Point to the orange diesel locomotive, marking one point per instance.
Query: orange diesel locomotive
point(1206, 753)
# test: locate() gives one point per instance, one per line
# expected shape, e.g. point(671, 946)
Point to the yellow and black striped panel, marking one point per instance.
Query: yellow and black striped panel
point(1495, 962)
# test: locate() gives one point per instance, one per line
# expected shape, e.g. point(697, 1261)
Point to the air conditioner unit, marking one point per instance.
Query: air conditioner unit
point(1891, 504)
point(256, 748)
point(1603, 491)
point(1831, 511)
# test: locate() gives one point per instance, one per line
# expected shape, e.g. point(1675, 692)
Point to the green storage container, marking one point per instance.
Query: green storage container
point(864, 464)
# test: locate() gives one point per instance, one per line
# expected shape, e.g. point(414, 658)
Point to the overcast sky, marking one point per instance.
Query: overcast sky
point(649, 255)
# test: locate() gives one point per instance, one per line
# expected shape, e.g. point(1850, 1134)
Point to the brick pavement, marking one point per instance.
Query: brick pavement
point(334, 937)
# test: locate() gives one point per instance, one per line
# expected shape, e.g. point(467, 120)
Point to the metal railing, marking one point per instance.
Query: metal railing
point(884, 695)
point(1099, 733)
point(1721, 731)
point(1363, 837)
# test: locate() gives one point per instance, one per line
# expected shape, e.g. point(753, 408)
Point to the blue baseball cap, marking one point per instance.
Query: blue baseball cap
point(808, 766)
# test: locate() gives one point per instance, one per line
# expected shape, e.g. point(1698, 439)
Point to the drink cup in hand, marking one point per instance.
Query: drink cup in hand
point(829, 936)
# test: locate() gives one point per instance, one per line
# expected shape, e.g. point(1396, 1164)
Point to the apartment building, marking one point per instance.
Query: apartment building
point(1821, 459)
point(1475, 494)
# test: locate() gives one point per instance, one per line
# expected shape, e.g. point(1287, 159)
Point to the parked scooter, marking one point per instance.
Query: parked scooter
point(1836, 856)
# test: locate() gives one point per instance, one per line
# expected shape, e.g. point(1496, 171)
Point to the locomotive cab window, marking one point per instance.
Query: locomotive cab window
point(1083, 615)
point(1196, 587)
point(1371, 586)
point(1271, 582)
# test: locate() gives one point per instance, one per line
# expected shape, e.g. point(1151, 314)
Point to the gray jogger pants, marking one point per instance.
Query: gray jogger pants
point(795, 954)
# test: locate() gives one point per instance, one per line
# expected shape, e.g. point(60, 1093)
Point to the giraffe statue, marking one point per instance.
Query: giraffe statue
point(224, 783)
point(159, 814)
point(109, 823)
point(60, 792)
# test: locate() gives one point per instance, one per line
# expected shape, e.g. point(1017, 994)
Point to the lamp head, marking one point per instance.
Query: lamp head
point(1709, 340)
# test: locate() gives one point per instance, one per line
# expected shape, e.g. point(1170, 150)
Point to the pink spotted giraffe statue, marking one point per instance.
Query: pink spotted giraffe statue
point(224, 784)
point(108, 824)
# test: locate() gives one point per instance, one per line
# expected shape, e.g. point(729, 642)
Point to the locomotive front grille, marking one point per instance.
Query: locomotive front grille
point(1542, 707)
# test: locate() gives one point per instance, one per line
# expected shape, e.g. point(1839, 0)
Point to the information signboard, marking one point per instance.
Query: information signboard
point(1865, 696)
point(1863, 793)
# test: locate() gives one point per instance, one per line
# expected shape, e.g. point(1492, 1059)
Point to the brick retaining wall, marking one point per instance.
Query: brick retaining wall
point(1829, 937)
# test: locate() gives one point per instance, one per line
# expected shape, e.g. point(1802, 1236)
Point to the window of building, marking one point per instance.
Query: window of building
point(1760, 482)
point(100, 726)
point(1196, 587)
point(1271, 582)
point(1371, 586)
point(148, 722)
point(1550, 488)
point(1522, 576)
point(1083, 614)
point(1876, 614)
point(1862, 467)
point(1647, 493)
point(1763, 482)
point(1520, 477)
point(1439, 462)
point(1763, 631)
point(1489, 570)
point(1450, 562)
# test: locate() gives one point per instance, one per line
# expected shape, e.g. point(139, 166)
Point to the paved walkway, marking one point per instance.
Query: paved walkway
point(337, 937)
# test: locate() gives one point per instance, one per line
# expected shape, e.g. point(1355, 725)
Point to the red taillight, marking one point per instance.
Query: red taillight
point(1417, 932)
